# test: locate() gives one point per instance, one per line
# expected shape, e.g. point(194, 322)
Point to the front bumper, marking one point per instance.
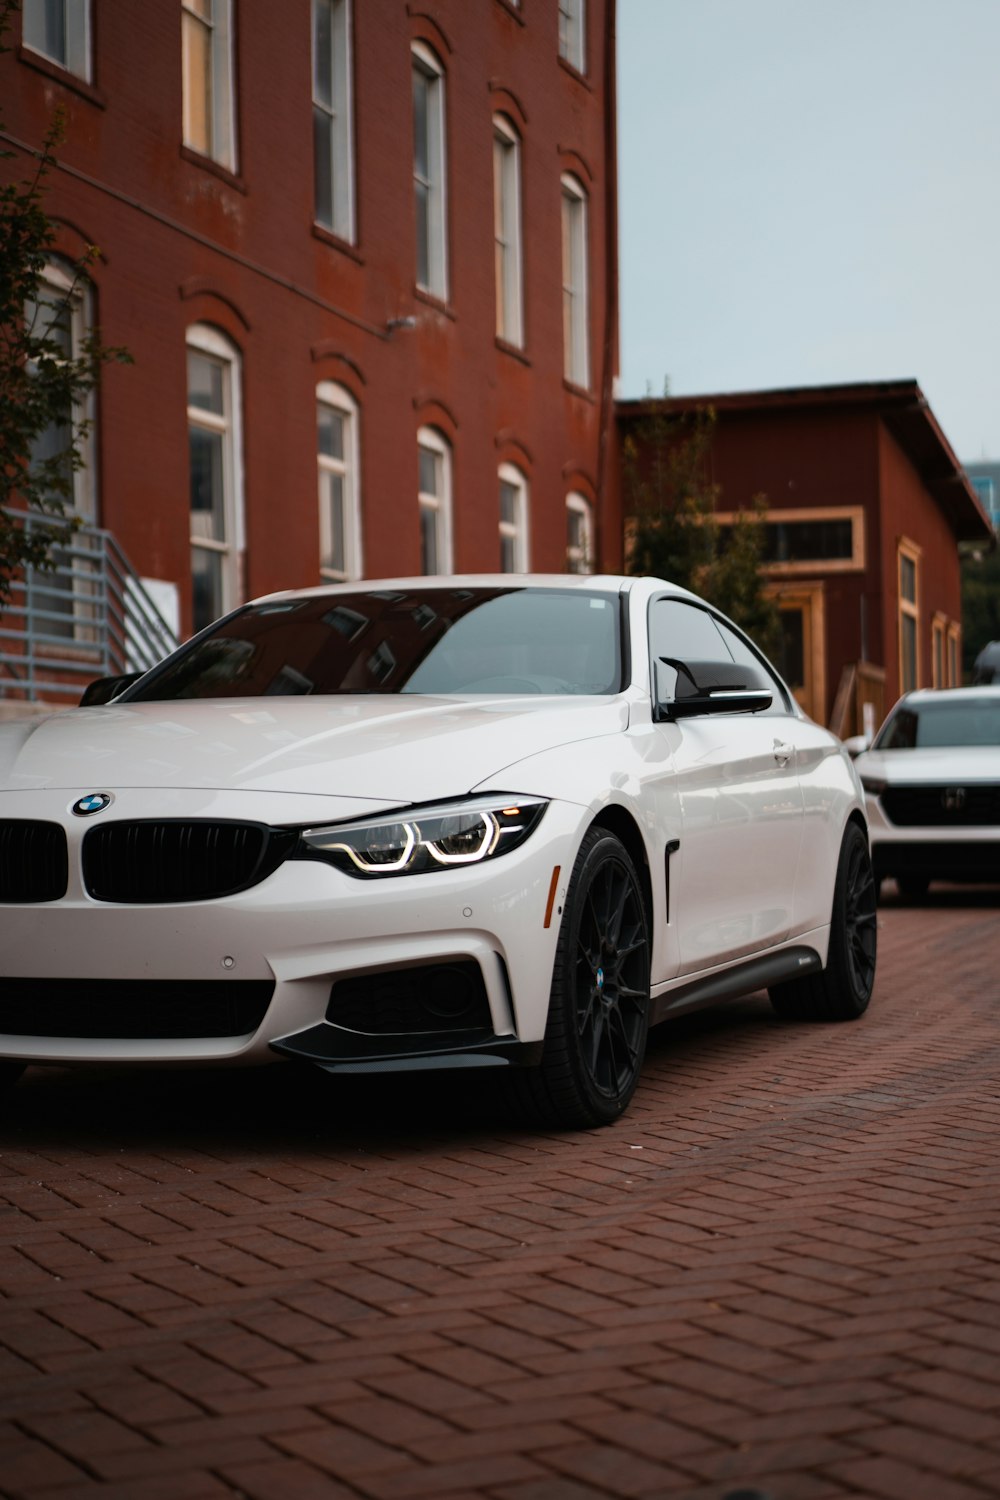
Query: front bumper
point(966, 854)
point(93, 970)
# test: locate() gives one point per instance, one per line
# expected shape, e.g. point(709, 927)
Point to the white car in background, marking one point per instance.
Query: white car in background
point(932, 783)
point(489, 822)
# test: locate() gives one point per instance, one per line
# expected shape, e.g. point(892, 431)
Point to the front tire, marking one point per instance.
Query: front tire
point(913, 887)
point(595, 1039)
point(843, 989)
point(10, 1072)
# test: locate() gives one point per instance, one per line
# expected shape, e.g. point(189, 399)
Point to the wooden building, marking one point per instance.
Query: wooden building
point(867, 505)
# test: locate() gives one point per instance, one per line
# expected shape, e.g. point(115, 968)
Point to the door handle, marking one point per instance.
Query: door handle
point(783, 752)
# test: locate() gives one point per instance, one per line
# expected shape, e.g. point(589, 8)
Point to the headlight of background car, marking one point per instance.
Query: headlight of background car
point(421, 840)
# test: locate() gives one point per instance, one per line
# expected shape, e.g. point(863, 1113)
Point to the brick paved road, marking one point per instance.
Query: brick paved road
point(781, 1270)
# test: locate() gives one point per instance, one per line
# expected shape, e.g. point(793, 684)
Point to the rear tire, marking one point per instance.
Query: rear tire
point(595, 1038)
point(843, 989)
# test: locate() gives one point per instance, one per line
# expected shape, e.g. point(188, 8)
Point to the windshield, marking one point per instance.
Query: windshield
point(973, 722)
point(437, 641)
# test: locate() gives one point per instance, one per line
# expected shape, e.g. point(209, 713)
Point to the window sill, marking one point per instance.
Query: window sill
point(207, 164)
point(514, 350)
point(578, 390)
point(575, 72)
point(429, 298)
point(512, 9)
point(62, 75)
point(336, 242)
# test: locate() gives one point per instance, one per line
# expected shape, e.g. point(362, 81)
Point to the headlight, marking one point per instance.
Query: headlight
point(874, 784)
point(426, 839)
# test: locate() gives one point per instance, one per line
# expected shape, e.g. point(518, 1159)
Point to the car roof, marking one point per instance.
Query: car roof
point(947, 695)
point(600, 582)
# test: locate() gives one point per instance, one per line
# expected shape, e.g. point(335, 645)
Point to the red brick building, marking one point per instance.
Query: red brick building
point(363, 255)
point(867, 505)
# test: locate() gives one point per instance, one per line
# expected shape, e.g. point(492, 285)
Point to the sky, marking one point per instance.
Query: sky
point(809, 194)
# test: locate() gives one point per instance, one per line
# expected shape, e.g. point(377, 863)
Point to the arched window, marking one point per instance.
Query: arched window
point(62, 315)
point(513, 520)
point(429, 172)
point(576, 354)
point(339, 483)
point(579, 534)
point(434, 496)
point(215, 450)
point(507, 231)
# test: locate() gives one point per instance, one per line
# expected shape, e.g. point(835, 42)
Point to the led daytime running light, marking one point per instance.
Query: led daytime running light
point(440, 837)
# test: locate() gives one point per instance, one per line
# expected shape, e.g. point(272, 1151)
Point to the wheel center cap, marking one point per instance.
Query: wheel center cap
point(600, 980)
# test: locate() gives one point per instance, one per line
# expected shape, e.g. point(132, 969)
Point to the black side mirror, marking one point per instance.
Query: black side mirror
point(103, 689)
point(708, 687)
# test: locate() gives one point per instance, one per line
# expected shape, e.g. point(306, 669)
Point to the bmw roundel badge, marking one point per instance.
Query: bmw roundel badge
point(95, 802)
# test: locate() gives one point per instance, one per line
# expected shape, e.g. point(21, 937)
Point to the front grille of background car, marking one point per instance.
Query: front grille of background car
point(33, 861)
point(433, 997)
point(153, 862)
point(145, 1010)
point(946, 805)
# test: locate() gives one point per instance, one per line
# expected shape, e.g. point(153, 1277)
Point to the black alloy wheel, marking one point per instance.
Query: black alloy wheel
point(10, 1072)
point(843, 989)
point(595, 1040)
point(860, 922)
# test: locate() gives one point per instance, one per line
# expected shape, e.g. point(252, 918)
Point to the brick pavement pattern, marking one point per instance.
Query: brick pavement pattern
point(780, 1271)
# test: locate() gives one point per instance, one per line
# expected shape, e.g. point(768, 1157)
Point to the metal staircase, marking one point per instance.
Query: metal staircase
point(90, 616)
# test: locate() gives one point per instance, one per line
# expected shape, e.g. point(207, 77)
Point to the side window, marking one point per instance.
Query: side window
point(685, 632)
point(741, 651)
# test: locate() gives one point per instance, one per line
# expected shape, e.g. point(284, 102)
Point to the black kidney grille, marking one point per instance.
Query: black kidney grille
point(148, 1009)
point(33, 861)
point(946, 805)
point(154, 862)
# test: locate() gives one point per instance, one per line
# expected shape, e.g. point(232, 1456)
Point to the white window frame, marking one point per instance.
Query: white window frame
point(580, 556)
point(437, 504)
point(208, 341)
point(434, 182)
point(332, 116)
point(220, 117)
point(61, 598)
point(60, 285)
point(515, 532)
point(75, 55)
point(348, 469)
point(572, 33)
point(508, 251)
point(575, 280)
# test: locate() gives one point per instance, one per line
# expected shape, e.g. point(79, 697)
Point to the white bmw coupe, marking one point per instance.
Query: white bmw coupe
point(490, 822)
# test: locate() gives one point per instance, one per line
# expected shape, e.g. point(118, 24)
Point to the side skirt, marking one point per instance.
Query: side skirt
point(733, 984)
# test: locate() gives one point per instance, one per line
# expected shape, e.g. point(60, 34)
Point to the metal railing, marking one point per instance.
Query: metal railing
point(91, 616)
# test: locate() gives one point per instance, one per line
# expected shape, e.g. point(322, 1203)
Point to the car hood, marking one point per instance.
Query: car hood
point(949, 763)
point(387, 749)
